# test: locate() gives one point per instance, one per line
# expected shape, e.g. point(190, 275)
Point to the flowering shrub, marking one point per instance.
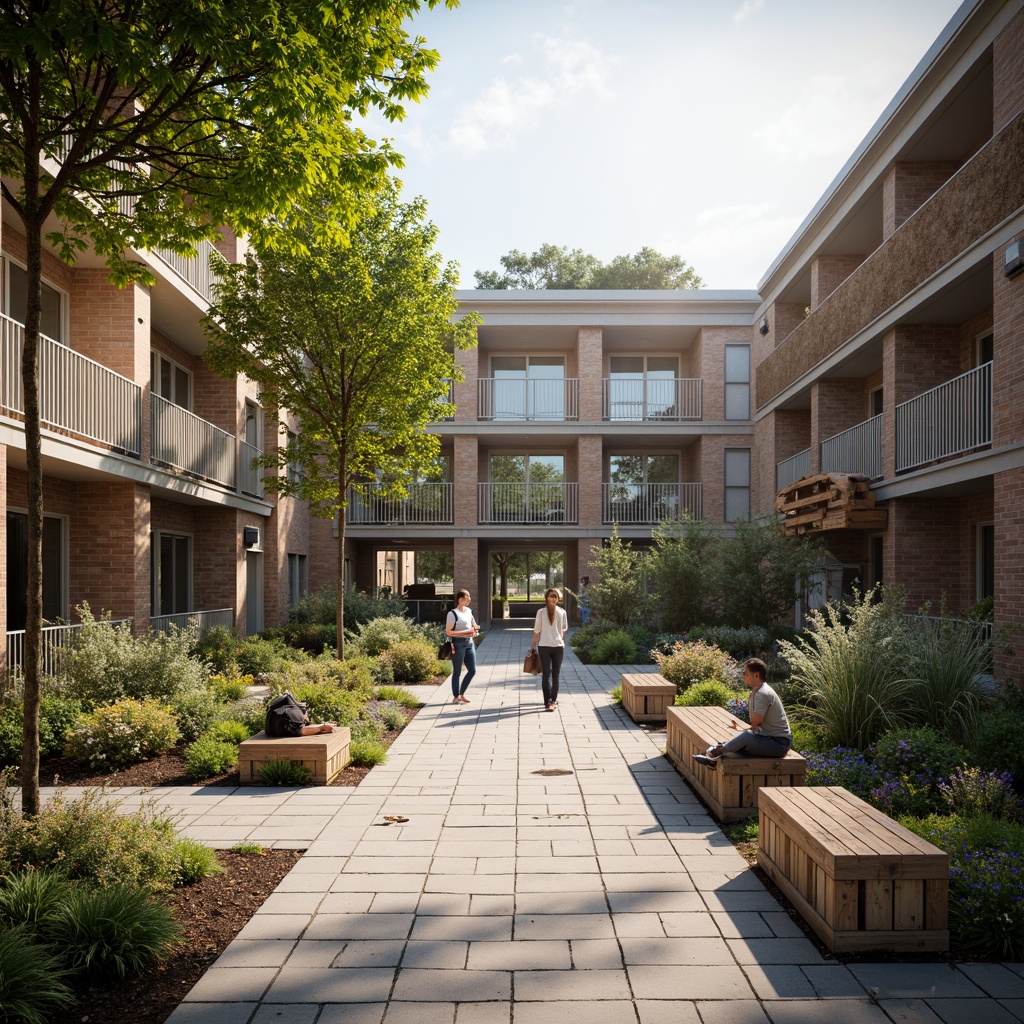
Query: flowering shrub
point(381, 634)
point(739, 642)
point(227, 688)
point(971, 792)
point(693, 663)
point(122, 734)
point(842, 766)
point(709, 693)
point(387, 712)
point(917, 795)
point(739, 709)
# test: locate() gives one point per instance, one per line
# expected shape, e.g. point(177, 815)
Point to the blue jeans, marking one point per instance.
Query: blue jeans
point(758, 745)
point(464, 653)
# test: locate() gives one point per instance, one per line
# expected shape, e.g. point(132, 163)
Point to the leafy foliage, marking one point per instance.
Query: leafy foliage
point(709, 693)
point(124, 733)
point(684, 562)
point(619, 595)
point(218, 647)
point(33, 981)
point(209, 756)
point(377, 635)
point(194, 862)
point(30, 898)
point(970, 793)
point(411, 661)
point(365, 752)
point(284, 773)
point(616, 647)
point(691, 663)
point(57, 714)
point(403, 698)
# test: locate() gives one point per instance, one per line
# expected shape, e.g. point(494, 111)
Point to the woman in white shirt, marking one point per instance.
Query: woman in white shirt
point(462, 627)
point(548, 640)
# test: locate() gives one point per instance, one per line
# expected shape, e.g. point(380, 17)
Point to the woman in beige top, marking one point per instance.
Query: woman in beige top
point(548, 633)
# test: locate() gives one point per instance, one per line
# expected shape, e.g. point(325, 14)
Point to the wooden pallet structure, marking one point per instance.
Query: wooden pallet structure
point(829, 501)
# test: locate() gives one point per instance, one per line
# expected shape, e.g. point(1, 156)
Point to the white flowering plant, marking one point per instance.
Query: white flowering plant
point(124, 733)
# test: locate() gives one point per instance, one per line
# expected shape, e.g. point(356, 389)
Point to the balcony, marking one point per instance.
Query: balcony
point(651, 400)
point(629, 504)
point(426, 504)
point(948, 420)
point(77, 396)
point(509, 401)
point(857, 450)
point(194, 270)
point(792, 469)
point(56, 640)
point(532, 504)
point(201, 622)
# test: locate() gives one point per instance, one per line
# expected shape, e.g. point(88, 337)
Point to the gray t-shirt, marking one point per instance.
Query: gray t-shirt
point(765, 701)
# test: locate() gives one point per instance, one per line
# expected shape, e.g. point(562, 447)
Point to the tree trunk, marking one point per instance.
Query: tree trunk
point(342, 518)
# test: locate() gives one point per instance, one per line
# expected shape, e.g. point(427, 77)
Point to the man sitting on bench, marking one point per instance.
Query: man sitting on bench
point(769, 734)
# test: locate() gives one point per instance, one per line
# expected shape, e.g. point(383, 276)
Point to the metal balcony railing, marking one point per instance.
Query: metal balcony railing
point(203, 622)
point(652, 401)
point(426, 503)
point(76, 394)
point(857, 450)
point(651, 503)
point(183, 441)
point(194, 270)
point(948, 420)
point(55, 642)
point(547, 504)
point(788, 471)
point(511, 400)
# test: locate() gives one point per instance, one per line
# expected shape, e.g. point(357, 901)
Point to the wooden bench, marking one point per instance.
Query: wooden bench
point(731, 788)
point(861, 880)
point(646, 695)
point(324, 754)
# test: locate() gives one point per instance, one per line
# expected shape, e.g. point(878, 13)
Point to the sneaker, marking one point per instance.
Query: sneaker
point(710, 762)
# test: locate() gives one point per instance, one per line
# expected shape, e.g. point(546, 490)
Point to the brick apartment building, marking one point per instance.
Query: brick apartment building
point(887, 338)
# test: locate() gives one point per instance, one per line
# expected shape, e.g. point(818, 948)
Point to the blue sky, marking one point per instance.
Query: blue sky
point(706, 128)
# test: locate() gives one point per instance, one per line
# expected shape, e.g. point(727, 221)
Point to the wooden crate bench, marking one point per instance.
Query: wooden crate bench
point(646, 695)
point(730, 789)
point(861, 880)
point(324, 754)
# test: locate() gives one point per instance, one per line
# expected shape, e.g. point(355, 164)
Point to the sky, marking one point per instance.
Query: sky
point(703, 128)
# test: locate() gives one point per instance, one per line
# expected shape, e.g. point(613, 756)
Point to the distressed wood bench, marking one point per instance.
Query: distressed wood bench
point(324, 754)
point(731, 788)
point(646, 695)
point(861, 880)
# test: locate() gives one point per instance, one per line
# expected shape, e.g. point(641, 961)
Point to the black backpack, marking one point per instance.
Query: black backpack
point(285, 716)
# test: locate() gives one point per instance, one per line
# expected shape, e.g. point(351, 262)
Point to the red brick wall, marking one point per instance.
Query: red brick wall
point(783, 319)
point(1008, 73)
point(591, 475)
point(104, 322)
point(1008, 353)
point(469, 573)
point(836, 405)
point(466, 471)
point(590, 360)
point(469, 360)
point(908, 186)
point(828, 273)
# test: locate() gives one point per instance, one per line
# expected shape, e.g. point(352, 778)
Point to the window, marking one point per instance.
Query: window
point(253, 425)
point(643, 488)
point(170, 381)
point(528, 388)
point(737, 382)
point(985, 349)
point(986, 574)
point(737, 484)
point(642, 387)
point(527, 488)
point(875, 402)
point(294, 471)
point(51, 322)
point(298, 580)
point(55, 601)
point(172, 574)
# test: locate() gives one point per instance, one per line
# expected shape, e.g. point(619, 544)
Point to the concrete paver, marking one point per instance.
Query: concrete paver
point(606, 893)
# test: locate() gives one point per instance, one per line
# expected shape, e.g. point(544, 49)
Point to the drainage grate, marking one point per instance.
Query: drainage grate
point(552, 771)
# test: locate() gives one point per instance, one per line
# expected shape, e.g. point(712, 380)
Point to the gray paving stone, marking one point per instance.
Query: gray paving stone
point(572, 985)
point(736, 1011)
point(909, 1011)
point(256, 953)
point(678, 951)
point(833, 981)
point(290, 1013)
point(420, 1013)
point(779, 981)
point(972, 1011)
point(811, 1011)
point(687, 925)
point(352, 1013)
point(212, 1013)
point(456, 985)
point(658, 982)
point(484, 1013)
point(592, 1011)
point(775, 951)
point(232, 984)
point(494, 929)
point(275, 926)
point(666, 1011)
point(915, 981)
point(995, 979)
point(540, 954)
point(447, 954)
point(359, 926)
point(563, 926)
point(365, 953)
point(331, 985)
point(595, 954)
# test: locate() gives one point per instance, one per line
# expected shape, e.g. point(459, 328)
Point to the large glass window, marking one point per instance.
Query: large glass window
point(737, 382)
point(171, 381)
point(737, 484)
point(527, 488)
point(643, 488)
point(642, 387)
point(172, 574)
point(51, 321)
point(528, 387)
point(54, 572)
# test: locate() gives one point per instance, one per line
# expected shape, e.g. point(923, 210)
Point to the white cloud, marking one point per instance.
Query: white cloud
point(746, 9)
point(507, 107)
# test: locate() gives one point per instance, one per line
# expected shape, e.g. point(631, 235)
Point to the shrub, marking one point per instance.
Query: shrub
point(738, 642)
point(584, 640)
point(122, 734)
point(684, 566)
point(107, 663)
point(194, 712)
point(854, 676)
point(209, 756)
point(251, 848)
point(693, 663)
point(250, 712)
point(320, 606)
point(311, 637)
point(29, 898)
point(374, 637)
point(808, 738)
point(365, 753)
point(284, 773)
point(615, 647)
point(709, 693)
point(388, 713)
point(360, 607)
point(90, 839)
point(998, 743)
point(842, 766)
point(411, 661)
point(230, 731)
point(57, 714)
point(231, 687)
point(353, 674)
point(620, 594)
point(970, 793)
point(918, 752)
point(112, 932)
point(219, 648)
point(194, 862)
point(32, 979)
point(258, 656)
point(401, 697)
point(616, 694)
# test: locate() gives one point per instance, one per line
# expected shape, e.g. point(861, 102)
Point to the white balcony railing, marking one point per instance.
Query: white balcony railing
point(788, 471)
point(76, 394)
point(195, 270)
point(651, 503)
point(547, 504)
point(203, 622)
point(857, 450)
point(55, 641)
point(511, 400)
point(426, 503)
point(250, 478)
point(652, 400)
point(947, 420)
point(183, 441)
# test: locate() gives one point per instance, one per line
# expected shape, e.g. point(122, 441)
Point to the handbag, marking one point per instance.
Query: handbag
point(444, 652)
point(531, 663)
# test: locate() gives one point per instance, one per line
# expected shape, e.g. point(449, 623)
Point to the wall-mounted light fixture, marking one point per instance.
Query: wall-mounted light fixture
point(251, 536)
point(762, 327)
point(1014, 259)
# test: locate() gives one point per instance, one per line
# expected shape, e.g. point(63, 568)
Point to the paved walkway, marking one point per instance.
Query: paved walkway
point(554, 867)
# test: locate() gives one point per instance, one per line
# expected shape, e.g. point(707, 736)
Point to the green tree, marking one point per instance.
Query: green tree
point(684, 567)
point(557, 266)
point(357, 341)
point(148, 123)
point(619, 594)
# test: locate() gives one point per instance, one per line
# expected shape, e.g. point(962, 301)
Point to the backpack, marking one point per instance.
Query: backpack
point(285, 716)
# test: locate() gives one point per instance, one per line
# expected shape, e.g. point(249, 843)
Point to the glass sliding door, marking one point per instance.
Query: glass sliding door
point(528, 388)
point(643, 388)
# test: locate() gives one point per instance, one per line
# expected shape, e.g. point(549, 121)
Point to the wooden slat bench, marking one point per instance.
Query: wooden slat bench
point(324, 754)
point(646, 695)
point(861, 880)
point(730, 789)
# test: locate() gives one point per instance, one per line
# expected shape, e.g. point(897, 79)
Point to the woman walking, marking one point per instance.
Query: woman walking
point(462, 627)
point(548, 639)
